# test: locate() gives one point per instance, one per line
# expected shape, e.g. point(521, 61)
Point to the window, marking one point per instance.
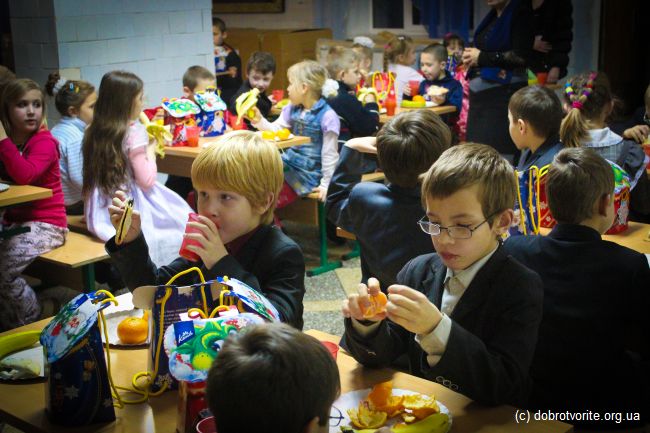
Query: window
point(397, 16)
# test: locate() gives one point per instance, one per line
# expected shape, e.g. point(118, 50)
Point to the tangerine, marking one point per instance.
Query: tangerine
point(268, 135)
point(283, 134)
point(134, 330)
point(377, 305)
point(418, 98)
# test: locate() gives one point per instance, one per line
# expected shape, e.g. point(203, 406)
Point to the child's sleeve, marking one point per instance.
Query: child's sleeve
point(331, 127)
point(142, 162)
point(283, 121)
point(363, 120)
point(25, 169)
point(347, 174)
point(455, 96)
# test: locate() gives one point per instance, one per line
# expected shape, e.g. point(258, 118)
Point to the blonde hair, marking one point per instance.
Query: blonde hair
point(468, 164)
point(364, 52)
point(311, 73)
point(11, 94)
point(244, 163)
point(339, 59)
point(397, 46)
point(587, 95)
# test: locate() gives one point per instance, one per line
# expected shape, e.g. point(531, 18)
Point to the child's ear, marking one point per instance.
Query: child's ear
point(503, 222)
point(224, 35)
point(269, 201)
point(72, 111)
point(186, 91)
point(522, 126)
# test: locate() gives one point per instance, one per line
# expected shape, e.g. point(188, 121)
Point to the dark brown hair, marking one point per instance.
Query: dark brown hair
point(577, 178)
point(271, 378)
point(261, 61)
point(219, 23)
point(195, 73)
point(584, 108)
point(540, 107)
point(409, 143)
point(468, 164)
point(13, 91)
point(72, 93)
point(105, 163)
point(438, 51)
point(451, 37)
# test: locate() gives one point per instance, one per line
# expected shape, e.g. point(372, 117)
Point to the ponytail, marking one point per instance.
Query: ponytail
point(573, 129)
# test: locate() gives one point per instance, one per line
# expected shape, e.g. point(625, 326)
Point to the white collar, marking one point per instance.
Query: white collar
point(602, 138)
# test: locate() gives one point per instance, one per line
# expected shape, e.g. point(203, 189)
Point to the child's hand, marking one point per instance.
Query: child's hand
point(470, 56)
point(212, 249)
point(638, 133)
point(322, 192)
point(256, 118)
point(412, 310)
point(116, 210)
point(370, 97)
point(352, 306)
point(3, 133)
point(407, 90)
point(363, 144)
point(439, 99)
point(553, 75)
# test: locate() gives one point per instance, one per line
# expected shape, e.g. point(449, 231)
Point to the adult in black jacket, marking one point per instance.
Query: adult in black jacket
point(553, 29)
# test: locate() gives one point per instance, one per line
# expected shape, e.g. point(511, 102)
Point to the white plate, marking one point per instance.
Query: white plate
point(115, 314)
point(33, 355)
point(3, 187)
point(350, 400)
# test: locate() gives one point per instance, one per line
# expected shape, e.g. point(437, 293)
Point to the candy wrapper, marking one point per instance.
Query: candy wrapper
point(182, 112)
point(211, 119)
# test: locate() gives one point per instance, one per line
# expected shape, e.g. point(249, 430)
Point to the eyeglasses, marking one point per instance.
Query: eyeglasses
point(335, 416)
point(455, 232)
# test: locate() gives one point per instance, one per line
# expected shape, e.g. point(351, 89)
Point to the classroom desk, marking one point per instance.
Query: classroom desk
point(178, 159)
point(22, 404)
point(439, 110)
point(633, 238)
point(18, 194)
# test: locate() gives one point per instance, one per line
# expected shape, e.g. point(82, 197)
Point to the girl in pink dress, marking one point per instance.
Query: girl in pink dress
point(118, 155)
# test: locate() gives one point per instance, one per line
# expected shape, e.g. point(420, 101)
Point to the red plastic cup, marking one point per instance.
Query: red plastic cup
point(192, 135)
point(332, 347)
point(206, 425)
point(278, 95)
point(415, 87)
point(184, 252)
point(541, 78)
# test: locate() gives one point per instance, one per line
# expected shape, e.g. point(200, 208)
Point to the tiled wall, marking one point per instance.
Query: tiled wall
point(155, 39)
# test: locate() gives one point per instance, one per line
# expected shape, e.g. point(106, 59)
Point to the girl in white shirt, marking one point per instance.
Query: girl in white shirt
point(399, 56)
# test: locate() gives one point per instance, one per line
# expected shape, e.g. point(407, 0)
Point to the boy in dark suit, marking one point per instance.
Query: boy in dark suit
point(382, 216)
point(593, 340)
point(260, 70)
point(468, 314)
point(237, 182)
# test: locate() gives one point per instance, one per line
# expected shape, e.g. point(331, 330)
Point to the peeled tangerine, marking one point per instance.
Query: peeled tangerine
point(364, 417)
point(377, 305)
point(134, 330)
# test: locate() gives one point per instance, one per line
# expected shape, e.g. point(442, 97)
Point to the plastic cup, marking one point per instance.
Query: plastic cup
point(415, 87)
point(206, 425)
point(184, 252)
point(332, 347)
point(541, 78)
point(192, 136)
point(278, 95)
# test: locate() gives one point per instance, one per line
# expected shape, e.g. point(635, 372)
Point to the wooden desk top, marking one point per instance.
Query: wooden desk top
point(22, 404)
point(17, 194)
point(632, 238)
point(442, 109)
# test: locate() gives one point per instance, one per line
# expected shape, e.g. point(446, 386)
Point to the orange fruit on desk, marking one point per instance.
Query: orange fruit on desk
point(268, 135)
point(377, 305)
point(283, 134)
point(134, 330)
point(418, 98)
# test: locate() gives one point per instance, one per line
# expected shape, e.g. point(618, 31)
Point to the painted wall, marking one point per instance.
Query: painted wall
point(298, 14)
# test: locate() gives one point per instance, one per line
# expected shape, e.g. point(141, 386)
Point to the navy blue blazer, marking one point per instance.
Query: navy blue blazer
point(382, 217)
point(454, 96)
point(493, 333)
point(543, 155)
point(357, 120)
point(593, 342)
point(269, 262)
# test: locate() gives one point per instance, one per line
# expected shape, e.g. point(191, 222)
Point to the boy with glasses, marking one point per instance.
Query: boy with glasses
point(467, 315)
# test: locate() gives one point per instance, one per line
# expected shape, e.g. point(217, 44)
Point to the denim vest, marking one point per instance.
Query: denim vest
point(302, 164)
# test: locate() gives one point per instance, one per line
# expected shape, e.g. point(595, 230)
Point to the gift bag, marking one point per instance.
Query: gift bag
point(383, 82)
point(210, 120)
point(622, 187)
point(78, 388)
point(191, 347)
point(170, 304)
point(182, 112)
